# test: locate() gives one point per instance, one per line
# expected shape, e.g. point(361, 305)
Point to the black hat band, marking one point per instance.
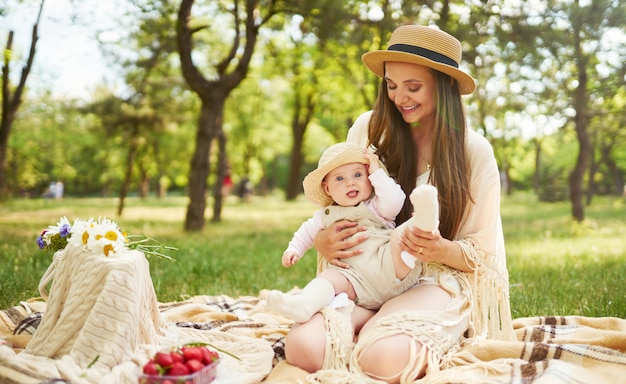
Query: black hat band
point(427, 53)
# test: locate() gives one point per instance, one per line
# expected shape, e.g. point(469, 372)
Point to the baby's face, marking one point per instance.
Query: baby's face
point(348, 184)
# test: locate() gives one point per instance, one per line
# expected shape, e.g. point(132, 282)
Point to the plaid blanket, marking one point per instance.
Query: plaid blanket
point(567, 349)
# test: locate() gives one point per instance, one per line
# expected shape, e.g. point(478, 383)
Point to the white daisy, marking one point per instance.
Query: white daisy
point(80, 232)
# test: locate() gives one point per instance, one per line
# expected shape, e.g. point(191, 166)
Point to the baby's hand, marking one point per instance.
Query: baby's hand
point(289, 258)
point(374, 161)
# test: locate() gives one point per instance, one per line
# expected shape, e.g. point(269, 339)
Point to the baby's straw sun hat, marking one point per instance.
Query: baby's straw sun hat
point(425, 46)
point(333, 157)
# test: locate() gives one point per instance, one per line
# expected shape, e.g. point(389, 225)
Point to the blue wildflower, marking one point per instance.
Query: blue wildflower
point(64, 230)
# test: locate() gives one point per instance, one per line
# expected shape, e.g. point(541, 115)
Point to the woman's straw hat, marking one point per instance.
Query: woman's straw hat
point(425, 46)
point(333, 157)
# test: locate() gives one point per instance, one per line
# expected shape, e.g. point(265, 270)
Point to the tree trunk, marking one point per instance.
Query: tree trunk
point(5, 128)
point(508, 185)
point(213, 96)
point(295, 164)
point(301, 118)
point(219, 180)
point(209, 124)
point(161, 187)
point(614, 171)
point(130, 162)
point(580, 121)
point(144, 186)
point(591, 185)
point(577, 175)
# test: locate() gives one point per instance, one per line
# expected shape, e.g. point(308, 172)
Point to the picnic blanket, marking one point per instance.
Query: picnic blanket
point(549, 349)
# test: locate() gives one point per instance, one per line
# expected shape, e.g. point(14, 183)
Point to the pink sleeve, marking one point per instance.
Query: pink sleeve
point(389, 197)
point(302, 239)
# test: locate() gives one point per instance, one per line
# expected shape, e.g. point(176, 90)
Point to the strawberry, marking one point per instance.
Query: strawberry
point(194, 365)
point(192, 353)
point(178, 369)
point(177, 357)
point(163, 359)
point(151, 368)
point(209, 356)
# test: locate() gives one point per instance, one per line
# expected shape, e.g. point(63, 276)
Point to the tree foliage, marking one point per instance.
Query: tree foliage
point(263, 87)
point(560, 50)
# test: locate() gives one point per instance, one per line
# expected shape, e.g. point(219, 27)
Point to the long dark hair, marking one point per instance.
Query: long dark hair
point(450, 171)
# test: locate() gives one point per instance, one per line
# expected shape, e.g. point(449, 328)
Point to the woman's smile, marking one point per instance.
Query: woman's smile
point(408, 109)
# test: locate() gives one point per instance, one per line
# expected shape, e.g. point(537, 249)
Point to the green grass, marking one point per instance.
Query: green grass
point(556, 266)
point(561, 267)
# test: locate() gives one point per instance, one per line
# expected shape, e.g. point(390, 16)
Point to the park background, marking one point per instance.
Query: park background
point(195, 90)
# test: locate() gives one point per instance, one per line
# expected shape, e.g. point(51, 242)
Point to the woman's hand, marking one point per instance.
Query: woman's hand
point(431, 247)
point(426, 246)
point(334, 242)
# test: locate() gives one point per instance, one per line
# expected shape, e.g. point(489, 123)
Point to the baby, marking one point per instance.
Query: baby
point(350, 183)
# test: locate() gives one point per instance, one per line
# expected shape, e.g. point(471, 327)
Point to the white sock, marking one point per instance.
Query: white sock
point(426, 216)
point(426, 206)
point(340, 301)
point(300, 307)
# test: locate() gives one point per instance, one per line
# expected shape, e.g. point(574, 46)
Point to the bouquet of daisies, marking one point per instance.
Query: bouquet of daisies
point(102, 236)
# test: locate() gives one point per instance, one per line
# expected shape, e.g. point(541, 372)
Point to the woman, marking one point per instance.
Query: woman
point(418, 130)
